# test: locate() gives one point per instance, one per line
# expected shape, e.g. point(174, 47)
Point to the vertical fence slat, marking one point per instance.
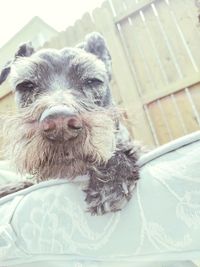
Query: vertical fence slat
point(179, 50)
point(195, 93)
point(70, 38)
point(172, 117)
point(152, 127)
point(78, 31)
point(193, 106)
point(87, 23)
point(136, 56)
point(160, 71)
point(188, 26)
point(161, 45)
point(179, 115)
point(140, 30)
point(118, 6)
point(158, 122)
point(187, 112)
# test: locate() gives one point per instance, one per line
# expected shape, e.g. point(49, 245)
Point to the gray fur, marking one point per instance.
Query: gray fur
point(79, 78)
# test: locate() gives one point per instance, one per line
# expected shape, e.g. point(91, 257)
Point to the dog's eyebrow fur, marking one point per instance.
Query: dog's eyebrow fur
point(84, 68)
point(49, 63)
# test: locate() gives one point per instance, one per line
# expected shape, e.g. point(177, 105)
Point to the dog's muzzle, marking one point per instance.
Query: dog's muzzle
point(60, 123)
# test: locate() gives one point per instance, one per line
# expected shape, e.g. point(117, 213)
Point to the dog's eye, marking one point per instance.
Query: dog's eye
point(93, 82)
point(26, 85)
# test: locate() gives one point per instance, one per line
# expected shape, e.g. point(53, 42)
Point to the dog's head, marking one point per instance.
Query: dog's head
point(65, 113)
point(83, 71)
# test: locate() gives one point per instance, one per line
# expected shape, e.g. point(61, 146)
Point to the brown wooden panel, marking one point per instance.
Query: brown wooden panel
point(172, 117)
point(187, 111)
point(158, 123)
point(195, 93)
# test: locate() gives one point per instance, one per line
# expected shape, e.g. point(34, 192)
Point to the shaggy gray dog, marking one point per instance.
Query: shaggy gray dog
point(67, 124)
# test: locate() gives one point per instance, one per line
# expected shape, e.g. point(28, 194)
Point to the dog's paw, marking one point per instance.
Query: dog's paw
point(107, 200)
point(106, 207)
point(10, 188)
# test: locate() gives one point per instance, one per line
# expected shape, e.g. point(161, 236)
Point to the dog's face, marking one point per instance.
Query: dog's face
point(71, 70)
point(83, 71)
point(65, 120)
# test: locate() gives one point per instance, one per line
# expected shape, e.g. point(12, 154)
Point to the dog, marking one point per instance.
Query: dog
point(67, 123)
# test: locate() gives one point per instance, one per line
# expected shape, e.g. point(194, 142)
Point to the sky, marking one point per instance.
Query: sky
point(57, 13)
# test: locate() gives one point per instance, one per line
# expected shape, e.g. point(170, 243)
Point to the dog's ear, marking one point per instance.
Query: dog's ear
point(95, 43)
point(24, 50)
point(5, 72)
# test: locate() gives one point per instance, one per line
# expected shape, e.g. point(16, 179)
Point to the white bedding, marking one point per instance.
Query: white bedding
point(46, 225)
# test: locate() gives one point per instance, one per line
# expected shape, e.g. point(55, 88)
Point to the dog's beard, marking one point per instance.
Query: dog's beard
point(32, 153)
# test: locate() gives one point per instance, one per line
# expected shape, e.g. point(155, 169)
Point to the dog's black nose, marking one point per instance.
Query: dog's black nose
point(60, 123)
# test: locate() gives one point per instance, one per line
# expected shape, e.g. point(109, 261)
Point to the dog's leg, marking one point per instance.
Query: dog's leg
point(14, 187)
point(110, 186)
